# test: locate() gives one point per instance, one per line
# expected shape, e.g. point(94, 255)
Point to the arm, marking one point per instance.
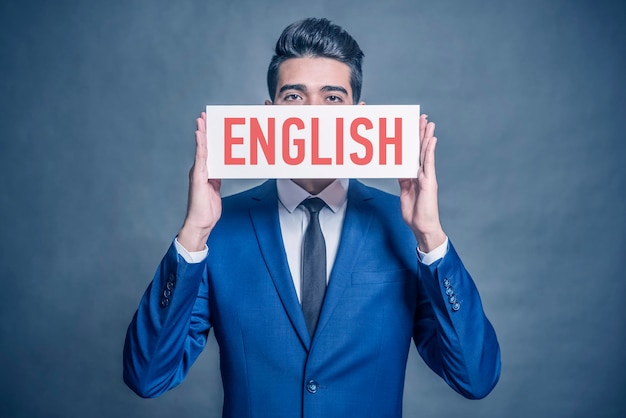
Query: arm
point(170, 327)
point(451, 331)
point(171, 324)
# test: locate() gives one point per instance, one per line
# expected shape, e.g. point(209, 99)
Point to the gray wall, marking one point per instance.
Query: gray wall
point(97, 108)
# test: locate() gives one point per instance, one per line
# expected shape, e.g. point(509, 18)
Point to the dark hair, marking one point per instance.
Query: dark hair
point(315, 37)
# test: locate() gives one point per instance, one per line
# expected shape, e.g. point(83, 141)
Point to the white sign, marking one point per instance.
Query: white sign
point(327, 141)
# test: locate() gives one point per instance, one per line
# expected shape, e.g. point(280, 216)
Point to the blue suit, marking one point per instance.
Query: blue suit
point(378, 298)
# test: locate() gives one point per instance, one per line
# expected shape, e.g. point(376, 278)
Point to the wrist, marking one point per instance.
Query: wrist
point(428, 241)
point(193, 238)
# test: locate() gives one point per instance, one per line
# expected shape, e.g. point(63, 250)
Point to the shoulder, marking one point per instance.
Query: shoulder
point(237, 209)
point(254, 194)
point(373, 196)
point(386, 234)
point(384, 205)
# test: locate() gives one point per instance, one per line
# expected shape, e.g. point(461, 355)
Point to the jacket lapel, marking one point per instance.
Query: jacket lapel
point(354, 231)
point(264, 216)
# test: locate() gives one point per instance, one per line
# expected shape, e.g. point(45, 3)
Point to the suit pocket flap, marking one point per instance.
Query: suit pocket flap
point(385, 276)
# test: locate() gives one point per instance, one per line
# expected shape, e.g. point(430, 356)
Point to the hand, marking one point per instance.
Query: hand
point(204, 203)
point(418, 196)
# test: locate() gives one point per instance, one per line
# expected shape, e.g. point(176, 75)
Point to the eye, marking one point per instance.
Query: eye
point(334, 99)
point(292, 97)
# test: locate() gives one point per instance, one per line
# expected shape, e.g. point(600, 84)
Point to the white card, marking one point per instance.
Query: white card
point(327, 141)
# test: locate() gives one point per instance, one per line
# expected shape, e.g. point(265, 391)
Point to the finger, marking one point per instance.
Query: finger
point(201, 146)
point(405, 184)
point(216, 184)
point(429, 158)
point(430, 130)
point(199, 167)
point(422, 127)
point(201, 124)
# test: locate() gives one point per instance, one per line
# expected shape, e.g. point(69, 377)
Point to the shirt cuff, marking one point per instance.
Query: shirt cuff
point(192, 257)
point(436, 254)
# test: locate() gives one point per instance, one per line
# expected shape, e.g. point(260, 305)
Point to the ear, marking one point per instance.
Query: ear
point(268, 102)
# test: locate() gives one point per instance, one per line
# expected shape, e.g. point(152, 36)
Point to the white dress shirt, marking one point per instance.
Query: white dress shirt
point(294, 220)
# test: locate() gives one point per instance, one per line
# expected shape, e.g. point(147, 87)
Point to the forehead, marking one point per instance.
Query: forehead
point(314, 72)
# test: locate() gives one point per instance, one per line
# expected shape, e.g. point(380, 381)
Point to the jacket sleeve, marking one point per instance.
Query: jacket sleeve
point(170, 327)
point(452, 333)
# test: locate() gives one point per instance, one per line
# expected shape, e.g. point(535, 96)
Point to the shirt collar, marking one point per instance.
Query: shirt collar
point(291, 195)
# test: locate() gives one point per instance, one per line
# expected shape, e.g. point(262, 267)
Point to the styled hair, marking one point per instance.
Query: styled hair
point(312, 38)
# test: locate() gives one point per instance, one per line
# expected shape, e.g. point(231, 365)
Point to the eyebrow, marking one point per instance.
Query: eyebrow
point(335, 88)
point(302, 88)
point(297, 87)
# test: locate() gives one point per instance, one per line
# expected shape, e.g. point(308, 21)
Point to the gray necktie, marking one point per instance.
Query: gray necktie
point(313, 265)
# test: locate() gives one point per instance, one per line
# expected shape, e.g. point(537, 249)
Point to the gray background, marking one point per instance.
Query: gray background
point(97, 109)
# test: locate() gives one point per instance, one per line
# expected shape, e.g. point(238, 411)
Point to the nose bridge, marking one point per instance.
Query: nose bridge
point(315, 99)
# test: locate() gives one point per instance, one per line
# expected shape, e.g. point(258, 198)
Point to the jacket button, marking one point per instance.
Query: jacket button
point(446, 283)
point(456, 306)
point(312, 386)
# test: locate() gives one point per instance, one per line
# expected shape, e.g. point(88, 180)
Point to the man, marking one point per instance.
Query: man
point(289, 347)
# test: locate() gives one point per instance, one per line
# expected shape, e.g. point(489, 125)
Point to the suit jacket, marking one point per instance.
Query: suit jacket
point(379, 297)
